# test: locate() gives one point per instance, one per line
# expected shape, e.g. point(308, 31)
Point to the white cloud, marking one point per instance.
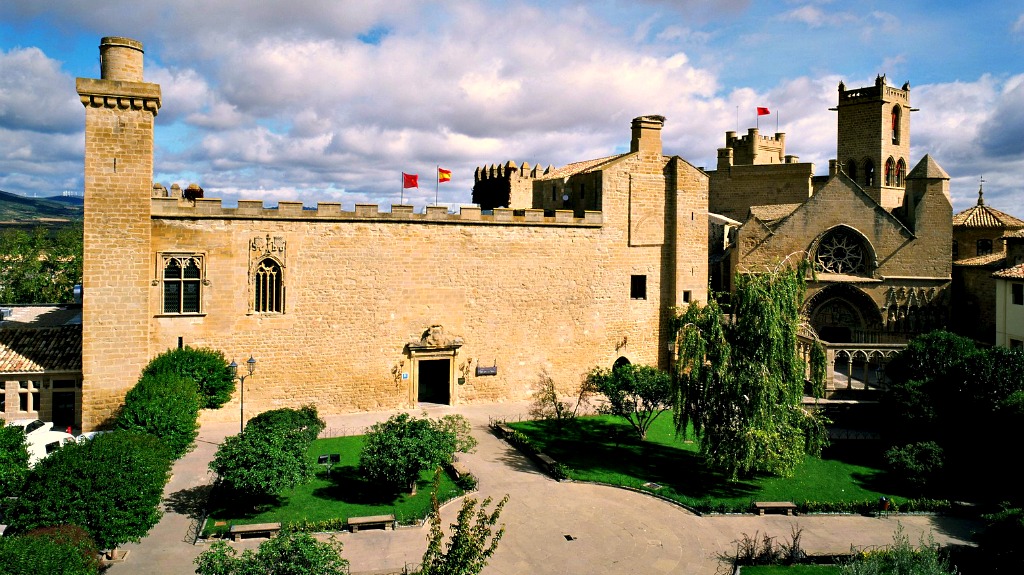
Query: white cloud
point(35, 94)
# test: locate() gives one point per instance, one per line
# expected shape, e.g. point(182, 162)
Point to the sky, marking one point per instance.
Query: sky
point(330, 101)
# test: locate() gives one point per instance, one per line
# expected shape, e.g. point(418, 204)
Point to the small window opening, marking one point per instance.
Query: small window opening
point(638, 287)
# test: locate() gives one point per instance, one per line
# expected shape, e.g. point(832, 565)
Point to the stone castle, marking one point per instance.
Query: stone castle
point(550, 273)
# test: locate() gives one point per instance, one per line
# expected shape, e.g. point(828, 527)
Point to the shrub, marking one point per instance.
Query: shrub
point(67, 550)
point(636, 393)
point(288, 553)
point(262, 462)
point(901, 558)
point(13, 460)
point(111, 486)
point(397, 450)
point(917, 465)
point(165, 405)
point(206, 367)
point(305, 421)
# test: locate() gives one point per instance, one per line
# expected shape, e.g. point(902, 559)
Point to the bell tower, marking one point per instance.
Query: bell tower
point(119, 113)
point(874, 139)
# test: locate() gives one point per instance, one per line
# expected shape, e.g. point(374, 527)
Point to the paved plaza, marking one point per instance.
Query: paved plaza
point(551, 527)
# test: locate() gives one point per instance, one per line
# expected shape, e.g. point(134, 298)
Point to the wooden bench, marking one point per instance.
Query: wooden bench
point(237, 531)
point(383, 521)
point(787, 506)
point(460, 469)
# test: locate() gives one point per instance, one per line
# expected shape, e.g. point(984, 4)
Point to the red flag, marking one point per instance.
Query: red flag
point(444, 175)
point(762, 111)
point(410, 180)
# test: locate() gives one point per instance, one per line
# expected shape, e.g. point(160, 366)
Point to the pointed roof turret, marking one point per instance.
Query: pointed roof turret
point(927, 169)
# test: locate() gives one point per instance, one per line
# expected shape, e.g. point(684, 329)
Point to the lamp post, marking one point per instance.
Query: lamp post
point(250, 366)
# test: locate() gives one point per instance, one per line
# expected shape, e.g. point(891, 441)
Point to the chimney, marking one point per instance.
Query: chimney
point(647, 134)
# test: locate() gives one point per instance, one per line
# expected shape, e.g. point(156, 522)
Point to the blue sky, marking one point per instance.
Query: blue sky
point(332, 101)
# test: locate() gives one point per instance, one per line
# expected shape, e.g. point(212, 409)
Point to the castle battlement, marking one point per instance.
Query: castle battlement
point(881, 90)
point(509, 170)
point(211, 208)
point(753, 148)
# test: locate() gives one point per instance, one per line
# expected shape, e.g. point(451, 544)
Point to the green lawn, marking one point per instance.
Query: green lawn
point(791, 570)
point(604, 449)
point(342, 495)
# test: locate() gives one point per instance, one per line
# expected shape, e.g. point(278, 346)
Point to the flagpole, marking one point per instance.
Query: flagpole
point(402, 201)
point(437, 181)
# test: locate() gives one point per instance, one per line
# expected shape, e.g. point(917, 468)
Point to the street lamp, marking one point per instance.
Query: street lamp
point(250, 365)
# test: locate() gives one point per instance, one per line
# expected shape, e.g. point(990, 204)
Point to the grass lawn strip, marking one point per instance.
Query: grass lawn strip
point(332, 499)
point(604, 449)
point(791, 570)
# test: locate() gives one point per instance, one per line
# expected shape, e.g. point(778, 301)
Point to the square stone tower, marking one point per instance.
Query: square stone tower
point(117, 269)
point(874, 139)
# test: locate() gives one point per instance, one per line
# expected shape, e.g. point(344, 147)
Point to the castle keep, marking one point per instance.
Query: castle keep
point(373, 309)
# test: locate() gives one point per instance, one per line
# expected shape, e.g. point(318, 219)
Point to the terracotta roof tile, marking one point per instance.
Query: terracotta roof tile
point(982, 216)
point(1014, 273)
point(578, 167)
point(40, 349)
point(986, 260)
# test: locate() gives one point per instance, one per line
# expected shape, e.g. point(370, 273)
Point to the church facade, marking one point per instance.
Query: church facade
point(373, 309)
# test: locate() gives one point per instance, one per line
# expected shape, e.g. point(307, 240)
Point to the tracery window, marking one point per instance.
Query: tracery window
point(182, 280)
point(901, 173)
point(268, 290)
point(890, 172)
point(841, 252)
point(851, 169)
point(869, 173)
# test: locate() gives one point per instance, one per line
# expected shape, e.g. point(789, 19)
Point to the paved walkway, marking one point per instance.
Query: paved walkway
point(551, 527)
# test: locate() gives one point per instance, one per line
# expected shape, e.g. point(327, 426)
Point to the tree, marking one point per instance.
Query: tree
point(67, 550)
point(473, 539)
point(397, 450)
point(262, 463)
point(290, 553)
point(637, 393)
point(305, 421)
point(40, 267)
point(165, 405)
point(207, 367)
point(13, 460)
point(740, 384)
point(111, 486)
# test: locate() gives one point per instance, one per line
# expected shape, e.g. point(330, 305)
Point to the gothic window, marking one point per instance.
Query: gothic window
point(182, 280)
point(896, 112)
point(890, 172)
point(841, 252)
point(869, 173)
point(851, 169)
point(984, 247)
point(268, 289)
point(901, 173)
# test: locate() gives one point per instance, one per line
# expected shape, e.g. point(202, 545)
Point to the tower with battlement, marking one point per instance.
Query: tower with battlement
point(874, 139)
point(120, 109)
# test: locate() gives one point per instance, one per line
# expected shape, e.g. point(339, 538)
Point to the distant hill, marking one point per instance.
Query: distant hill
point(22, 211)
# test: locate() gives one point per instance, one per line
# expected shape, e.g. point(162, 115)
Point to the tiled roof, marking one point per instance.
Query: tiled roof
point(40, 349)
point(773, 212)
point(578, 167)
point(1014, 273)
point(982, 216)
point(1015, 234)
point(995, 258)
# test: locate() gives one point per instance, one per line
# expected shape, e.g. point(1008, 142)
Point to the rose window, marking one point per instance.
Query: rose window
point(840, 253)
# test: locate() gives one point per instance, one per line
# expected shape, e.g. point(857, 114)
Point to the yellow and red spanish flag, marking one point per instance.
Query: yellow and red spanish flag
point(444, 175)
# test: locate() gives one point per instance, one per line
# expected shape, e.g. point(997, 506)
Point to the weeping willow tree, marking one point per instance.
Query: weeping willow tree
point(740, 383)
